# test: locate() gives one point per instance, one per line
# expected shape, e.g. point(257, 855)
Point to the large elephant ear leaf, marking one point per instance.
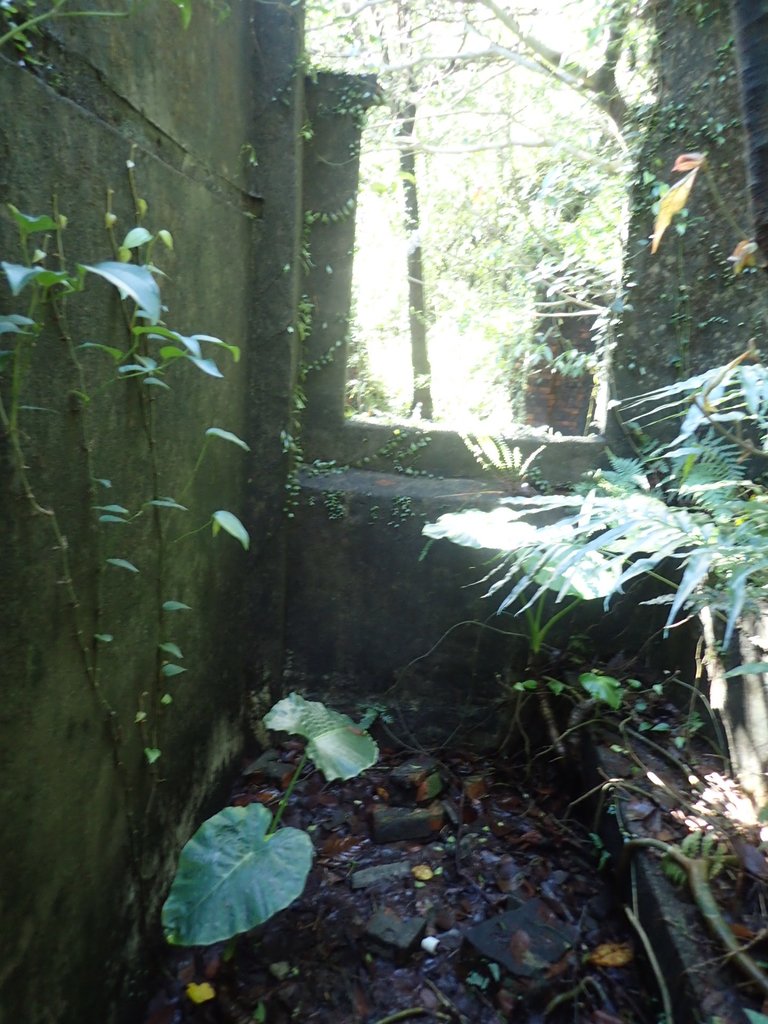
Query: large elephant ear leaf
point(339, 748)
point(233, 876)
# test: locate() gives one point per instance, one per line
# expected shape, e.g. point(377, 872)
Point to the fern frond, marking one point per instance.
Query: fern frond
point(709, 473)
point(625, 477)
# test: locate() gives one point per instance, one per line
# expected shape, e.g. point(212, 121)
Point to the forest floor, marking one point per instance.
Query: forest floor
point(451, 887)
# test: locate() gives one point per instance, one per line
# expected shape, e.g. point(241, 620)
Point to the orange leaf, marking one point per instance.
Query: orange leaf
point(200, 993)
point(672, 202)
point(689, 161)
point(611, 954)
point(744, 255)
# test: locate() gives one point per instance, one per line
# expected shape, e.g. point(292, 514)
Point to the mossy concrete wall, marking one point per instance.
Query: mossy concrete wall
point(374, 612)
point(209, 119)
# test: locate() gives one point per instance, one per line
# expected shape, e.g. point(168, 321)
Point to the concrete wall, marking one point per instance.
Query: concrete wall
point(90, 831)
point(373, 613)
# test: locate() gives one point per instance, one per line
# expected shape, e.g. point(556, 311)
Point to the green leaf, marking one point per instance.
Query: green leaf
point(233, 350)
point(172, 670)
point(168, 503)
point(755, 1017)
point(121, 563)
point(166, 699)
point(134, 282)
point(227, 435)
point(176, 606)
point(118, 509)
point(207, 366)
point(29, 223)
point(116, 353)
point(171, 648)
point(227, 521)
point(604, 688)
point(169, 352)
point(337, 746)
point(152, 754)
point(137, 237)
point(113, 519)
point(751, 668)
point(104, 482)
point(15, 324)
point(232, 876)
point(104, 638)
point(19, 276)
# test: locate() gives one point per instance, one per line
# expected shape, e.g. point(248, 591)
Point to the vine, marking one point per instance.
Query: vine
point(136, 362)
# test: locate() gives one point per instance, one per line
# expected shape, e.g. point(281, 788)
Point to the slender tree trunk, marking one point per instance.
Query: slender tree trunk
point(417, 310)
point(750, 22)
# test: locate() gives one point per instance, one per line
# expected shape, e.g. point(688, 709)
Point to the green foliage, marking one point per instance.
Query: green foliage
point(685, 513)
point(233, 876)
point(144, 361)
point(496, 456)
point(523, 188)
point(239, 869)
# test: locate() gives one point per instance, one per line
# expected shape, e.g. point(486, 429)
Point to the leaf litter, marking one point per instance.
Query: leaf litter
point(442, 889)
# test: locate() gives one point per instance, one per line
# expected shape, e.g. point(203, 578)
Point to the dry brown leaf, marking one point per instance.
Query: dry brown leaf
point(744, 255)
point(689, 161)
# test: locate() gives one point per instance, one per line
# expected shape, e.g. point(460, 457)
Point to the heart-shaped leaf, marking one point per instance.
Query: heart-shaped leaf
point(232, 876)
point(339, 748)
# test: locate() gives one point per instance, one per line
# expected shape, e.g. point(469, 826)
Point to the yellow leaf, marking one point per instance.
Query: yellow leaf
point(422, 872)
point(671, 203)
point(200, 993)
point(611, 954)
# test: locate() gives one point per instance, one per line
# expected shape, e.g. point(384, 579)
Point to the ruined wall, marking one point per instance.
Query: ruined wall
point(374, 612)
point(209, 119)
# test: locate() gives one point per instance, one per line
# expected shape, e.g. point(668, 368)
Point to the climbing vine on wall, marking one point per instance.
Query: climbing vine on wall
point(136, 364)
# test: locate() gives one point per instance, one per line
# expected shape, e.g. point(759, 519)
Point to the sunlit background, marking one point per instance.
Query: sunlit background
point(522, 174)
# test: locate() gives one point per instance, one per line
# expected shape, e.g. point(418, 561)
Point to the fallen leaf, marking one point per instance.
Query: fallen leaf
point(422, 872)
point(200, 993)
point(519, 945)
point(611, 954)
point(671, 203)
point(475, 787)
point(752, 860)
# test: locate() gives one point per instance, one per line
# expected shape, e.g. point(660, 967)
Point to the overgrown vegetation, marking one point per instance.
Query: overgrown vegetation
point(138, 363)
point(520, 227)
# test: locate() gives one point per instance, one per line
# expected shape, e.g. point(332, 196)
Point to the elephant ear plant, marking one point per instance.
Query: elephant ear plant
point(239, 868)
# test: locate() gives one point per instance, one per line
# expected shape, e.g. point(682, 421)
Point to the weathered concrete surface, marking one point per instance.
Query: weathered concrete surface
point(89, 839)
point(377, 613)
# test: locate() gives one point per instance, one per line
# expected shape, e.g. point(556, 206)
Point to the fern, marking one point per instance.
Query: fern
point(625, 477)
point(708, 472)
point(494, 455)
point(688, 503)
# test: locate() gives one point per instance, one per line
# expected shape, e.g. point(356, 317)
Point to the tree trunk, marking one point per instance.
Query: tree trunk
point(417, 309)
point(750, 22)
point(686, 311)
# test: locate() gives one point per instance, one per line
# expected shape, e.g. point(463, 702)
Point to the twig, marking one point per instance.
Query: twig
point(412, 1011)
point(653, 961)
point(696, 872)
